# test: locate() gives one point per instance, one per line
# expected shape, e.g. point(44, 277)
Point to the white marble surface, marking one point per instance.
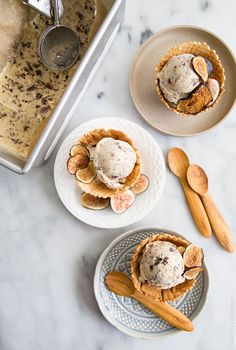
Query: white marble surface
point(47, 257)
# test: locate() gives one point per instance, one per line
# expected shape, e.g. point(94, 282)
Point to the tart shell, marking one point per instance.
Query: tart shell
point(197, 49)
point(156, 293)
point(96, 187)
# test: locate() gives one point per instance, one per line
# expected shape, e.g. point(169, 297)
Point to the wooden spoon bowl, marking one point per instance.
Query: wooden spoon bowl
point(198, 180)
point(179, 164)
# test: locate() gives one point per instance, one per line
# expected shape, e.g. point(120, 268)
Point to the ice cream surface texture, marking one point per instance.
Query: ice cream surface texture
point(178, 78)
point(29, 92)
point(114, 160)
point(12, 18)
point(162, 265)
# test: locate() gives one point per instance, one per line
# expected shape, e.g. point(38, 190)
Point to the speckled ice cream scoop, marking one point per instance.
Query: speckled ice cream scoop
point(113, 160)
point(161, 265)
point(178, 78)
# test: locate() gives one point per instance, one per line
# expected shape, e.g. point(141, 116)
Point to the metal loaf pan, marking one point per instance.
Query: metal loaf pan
point(72, 94)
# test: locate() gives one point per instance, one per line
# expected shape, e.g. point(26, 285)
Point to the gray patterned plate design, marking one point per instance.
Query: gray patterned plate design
point(128, 315)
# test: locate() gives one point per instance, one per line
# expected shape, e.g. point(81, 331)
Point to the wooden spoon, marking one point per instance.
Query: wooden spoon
point(198, 180)
point(121, 284)
point(179, 163)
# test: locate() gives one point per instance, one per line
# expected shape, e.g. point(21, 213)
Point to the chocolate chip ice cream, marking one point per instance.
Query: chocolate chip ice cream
point(114, 160)
point(162, 265)
point(178, 78)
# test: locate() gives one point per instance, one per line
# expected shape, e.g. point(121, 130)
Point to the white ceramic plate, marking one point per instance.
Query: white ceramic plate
point(143, 89)
point(153, 166)
point(128, 315)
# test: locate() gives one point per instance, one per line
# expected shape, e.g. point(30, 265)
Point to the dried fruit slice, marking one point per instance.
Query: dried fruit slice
point(192, 273)
point(95, 203)
point(79, 149)
point(141, 185)
point(200, 67)
point(181, 249)
point(209, 66)
point(196, 102)
point(86, 175)
point(204, 90)
point(193, 256)
point(214, 88)
point(120, 202)
point(77, 162)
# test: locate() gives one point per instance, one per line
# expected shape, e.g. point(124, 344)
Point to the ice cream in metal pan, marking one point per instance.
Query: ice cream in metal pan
point(34, 111)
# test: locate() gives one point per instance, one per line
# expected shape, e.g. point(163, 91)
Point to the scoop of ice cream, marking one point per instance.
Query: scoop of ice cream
point(114, 160)
point(162, 265)
point(178, 78)
point(12, 18)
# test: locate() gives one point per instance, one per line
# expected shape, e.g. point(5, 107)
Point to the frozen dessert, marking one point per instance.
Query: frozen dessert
point(190, 78)
point(162, 265)
point(28, 91)
point(178, 78)
point(106, 165)
point(113, 160)
point(12, 18)
point(165, 266)
point(116, 163)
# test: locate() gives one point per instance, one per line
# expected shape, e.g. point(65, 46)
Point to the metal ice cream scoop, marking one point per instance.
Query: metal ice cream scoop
point(58, 45)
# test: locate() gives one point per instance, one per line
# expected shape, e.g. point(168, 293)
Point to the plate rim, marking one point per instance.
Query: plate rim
point(112, 321)
point(161, 159)
point(133, 65)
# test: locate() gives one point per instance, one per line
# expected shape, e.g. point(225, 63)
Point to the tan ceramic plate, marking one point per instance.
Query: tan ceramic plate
point(142, 86)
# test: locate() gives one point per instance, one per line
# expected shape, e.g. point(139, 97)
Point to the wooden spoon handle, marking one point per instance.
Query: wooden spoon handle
point(218, 223)
point(197, 209)
point(165, 311)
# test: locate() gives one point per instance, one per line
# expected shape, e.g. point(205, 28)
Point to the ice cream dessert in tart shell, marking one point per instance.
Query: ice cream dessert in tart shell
point(165, 266)
point(111, 163)
point(199, 74)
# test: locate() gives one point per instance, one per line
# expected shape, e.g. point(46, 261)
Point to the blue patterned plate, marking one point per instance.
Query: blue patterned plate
point(128, 315)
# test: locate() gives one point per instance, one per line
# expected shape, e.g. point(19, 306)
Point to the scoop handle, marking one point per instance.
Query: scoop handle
point(165, 311)
point(218, 223)
point(56, 17)
point(196, 208)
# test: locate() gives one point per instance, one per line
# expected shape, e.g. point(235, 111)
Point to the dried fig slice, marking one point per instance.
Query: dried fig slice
point(196, 102)
point(181, 249)
point(193, 256)
point(204, 90)
point(79, 149)
point(141, 185)
point(214, 88)
point(92, 202)
point(120, 202)
point(77, 162)
point(86, 175)
point(192, 273)
point(200, 67)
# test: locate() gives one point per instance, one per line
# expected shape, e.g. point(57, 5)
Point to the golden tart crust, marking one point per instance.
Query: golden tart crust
point(96, 187)
point(197, 49)
point(156, 293)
